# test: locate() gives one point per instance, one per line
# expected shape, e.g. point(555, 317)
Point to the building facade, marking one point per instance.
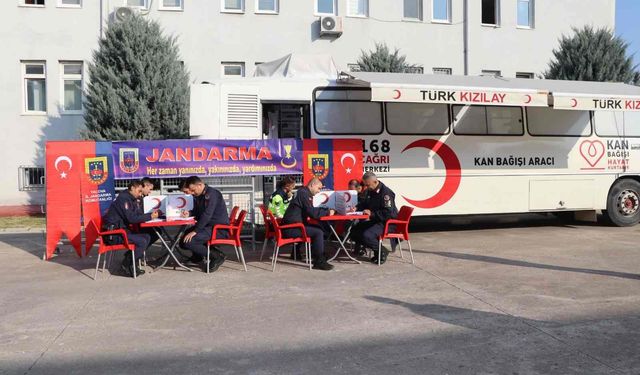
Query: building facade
point(47, 45)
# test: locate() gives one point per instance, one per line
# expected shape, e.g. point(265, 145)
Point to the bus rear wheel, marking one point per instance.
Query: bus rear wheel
point(623, 203)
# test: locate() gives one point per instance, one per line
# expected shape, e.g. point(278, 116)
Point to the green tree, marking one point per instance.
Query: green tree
point(138, 88)
point(591, 55)
point(383, 60)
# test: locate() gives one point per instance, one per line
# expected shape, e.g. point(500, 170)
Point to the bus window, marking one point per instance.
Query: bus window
point(348, 117)
point(469, 120)
point(632, 124)
point(333, 94)
point(416, 118)
point(608, 123)
point(504, 121)
point(485, 120)
point(557, 122)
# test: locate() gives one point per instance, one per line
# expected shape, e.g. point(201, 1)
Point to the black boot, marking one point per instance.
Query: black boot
point(127, 266)
point(216, 261)
point(383, 256)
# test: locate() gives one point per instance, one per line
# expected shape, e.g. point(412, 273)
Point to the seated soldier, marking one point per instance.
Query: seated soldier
point(122, 213)
point(209, 209)
point(379, 204)
point(299, 211)
point(281, 198)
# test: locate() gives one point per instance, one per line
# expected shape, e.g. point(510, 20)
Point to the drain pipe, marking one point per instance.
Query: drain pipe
point(465, 36)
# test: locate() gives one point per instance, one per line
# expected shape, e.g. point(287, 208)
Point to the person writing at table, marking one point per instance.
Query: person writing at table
point(147, 187)
point(122, 213)
point(209, 210)
point(379, 203)
point(299, 211)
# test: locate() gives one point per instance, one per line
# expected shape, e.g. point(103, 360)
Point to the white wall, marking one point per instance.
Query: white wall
point(207, 37)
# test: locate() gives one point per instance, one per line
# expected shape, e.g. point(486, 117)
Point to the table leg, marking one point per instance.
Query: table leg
point(171, 249)
point(342, 246)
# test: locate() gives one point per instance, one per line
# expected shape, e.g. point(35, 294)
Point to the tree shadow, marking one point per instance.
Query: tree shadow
point(458, 316)
point(521, 263)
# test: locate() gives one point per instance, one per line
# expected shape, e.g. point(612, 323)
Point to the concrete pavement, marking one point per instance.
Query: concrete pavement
point(532, 296)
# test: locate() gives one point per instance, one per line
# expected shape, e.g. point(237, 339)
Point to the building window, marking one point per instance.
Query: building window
point(233, 6)
point(267, 6)
point(413, 9)
point(353, 67)
point(34, 3)
point(30, 178)
point(443, 71)
point(525, 13)
point(441, 11)
point(35, 87)
point(172, 5)
point(71, 86)
point(141, 4)
point(70, 3)
point(491, 73)
point(524, 75)
point(233, 69)
point(358, 8)
point(326, 7)
point(415, 70)
point(491, 12)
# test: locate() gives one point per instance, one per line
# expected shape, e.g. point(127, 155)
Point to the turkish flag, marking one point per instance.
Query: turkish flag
point(347, 165)
point(63, 167)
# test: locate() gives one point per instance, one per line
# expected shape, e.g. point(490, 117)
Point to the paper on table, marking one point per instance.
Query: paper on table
point(355, 213)
point(154, 220)
point(172, 218)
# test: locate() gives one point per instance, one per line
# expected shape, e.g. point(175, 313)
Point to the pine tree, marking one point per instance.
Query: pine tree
point(138, 88)
point(382, 60)
point(592, 55)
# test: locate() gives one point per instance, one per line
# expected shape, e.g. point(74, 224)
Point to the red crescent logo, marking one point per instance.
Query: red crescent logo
point(574, 103)
point(397, 94)
point(184, 202)
point(528, 99)
point(158, 204)
point(347, 197)
point(326, 198)
point(453, 176)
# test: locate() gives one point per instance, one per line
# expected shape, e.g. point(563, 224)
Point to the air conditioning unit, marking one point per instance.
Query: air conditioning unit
point(330, 26)
point(122, 13)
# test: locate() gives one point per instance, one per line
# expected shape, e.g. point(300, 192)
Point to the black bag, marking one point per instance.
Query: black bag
point(113, 239)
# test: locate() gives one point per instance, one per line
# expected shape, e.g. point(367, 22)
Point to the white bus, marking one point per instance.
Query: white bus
point(456, 145)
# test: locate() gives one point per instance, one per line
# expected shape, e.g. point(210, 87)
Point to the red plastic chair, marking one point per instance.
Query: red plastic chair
point(234, 240)
point(233, 214)
point(281, 241)
point(104, 248)
point(269, 233)
point(401, 231)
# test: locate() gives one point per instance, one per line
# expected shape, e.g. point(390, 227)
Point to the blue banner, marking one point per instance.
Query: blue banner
point(196, 157)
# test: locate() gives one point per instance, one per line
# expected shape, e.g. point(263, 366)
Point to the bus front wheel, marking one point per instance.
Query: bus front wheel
point(623, 203)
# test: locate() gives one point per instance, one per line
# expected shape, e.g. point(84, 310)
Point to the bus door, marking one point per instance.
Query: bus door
point(283, 120)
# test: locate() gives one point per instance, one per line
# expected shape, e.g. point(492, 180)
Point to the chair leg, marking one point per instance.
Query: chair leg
point(95, 276)
point(275, 258)
point(208, 257)
point(379, 250)
point(133, 263)
point(295, 252)
point(264, 246)
point(411, 252)
point(106, 264)
point(308, 248)
point(244, 264)
point(400, 248)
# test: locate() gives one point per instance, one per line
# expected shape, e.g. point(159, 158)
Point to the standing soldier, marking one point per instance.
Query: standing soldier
point(379, 203)
point(122, 213)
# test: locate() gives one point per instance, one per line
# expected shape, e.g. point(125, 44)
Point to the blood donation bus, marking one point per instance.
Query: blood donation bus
point(455, 145)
